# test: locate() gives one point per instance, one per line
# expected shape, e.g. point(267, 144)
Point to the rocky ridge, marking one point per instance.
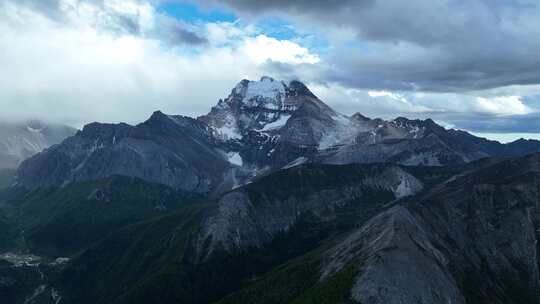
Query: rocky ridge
point(262, 126)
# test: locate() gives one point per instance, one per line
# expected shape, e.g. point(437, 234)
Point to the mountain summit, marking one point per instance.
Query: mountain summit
point(259, 105)
point(262, 126)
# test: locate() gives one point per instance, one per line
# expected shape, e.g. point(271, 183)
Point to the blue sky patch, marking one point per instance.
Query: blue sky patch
point(190, 12)
point(274, 27)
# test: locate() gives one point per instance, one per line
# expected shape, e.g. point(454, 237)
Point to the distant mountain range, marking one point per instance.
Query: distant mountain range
point(273, 197)
point(19, 141)
point(260, 127)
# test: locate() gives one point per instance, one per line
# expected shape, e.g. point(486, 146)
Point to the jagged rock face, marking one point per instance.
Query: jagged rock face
point(245, 218)
point(401, 264)
point(23, 280)
point(404, 141)
point(18, 141)
point(272, 124)
point(473, 239)
point(259, 105)
point(172, 150)
point(490, 223)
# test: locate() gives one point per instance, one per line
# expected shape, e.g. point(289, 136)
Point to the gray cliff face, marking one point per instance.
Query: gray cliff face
point(473, 239)
point(246, 218)
point(401, 263)
point(171, 150)
point(408, 142)
point(19, 141)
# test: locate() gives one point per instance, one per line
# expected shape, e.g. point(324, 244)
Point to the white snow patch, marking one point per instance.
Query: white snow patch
point(266, 89)
point(404, 187)
point(278, 124)
point(229, 132)
point(296, 162)
point(416, 131)
point(343, 133)
point(33, 130)
point(235, 158)
point(60, 261)
point(20, 259)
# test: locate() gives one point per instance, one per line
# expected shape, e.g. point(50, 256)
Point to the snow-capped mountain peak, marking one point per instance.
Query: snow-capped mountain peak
point(263, 105)
point(266, 93)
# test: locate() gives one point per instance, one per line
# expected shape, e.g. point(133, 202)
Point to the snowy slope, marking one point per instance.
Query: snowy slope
point(19, 141)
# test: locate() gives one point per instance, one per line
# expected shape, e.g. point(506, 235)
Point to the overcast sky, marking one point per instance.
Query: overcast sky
point(469, 64)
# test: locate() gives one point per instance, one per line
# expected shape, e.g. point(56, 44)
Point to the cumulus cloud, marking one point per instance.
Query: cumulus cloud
point(505, 105)
point(485, 112)
point(383, 104)
point(439, 45)
point(84, 68)
point(468, 64)
point(263, 48)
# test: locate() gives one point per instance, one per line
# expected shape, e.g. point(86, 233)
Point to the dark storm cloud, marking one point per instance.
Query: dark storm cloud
point(125, 24)
point(450, 70)
point(180, 36)
point(435, 45)
point(529, 123)
point(299, 6)
point(176, 33)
